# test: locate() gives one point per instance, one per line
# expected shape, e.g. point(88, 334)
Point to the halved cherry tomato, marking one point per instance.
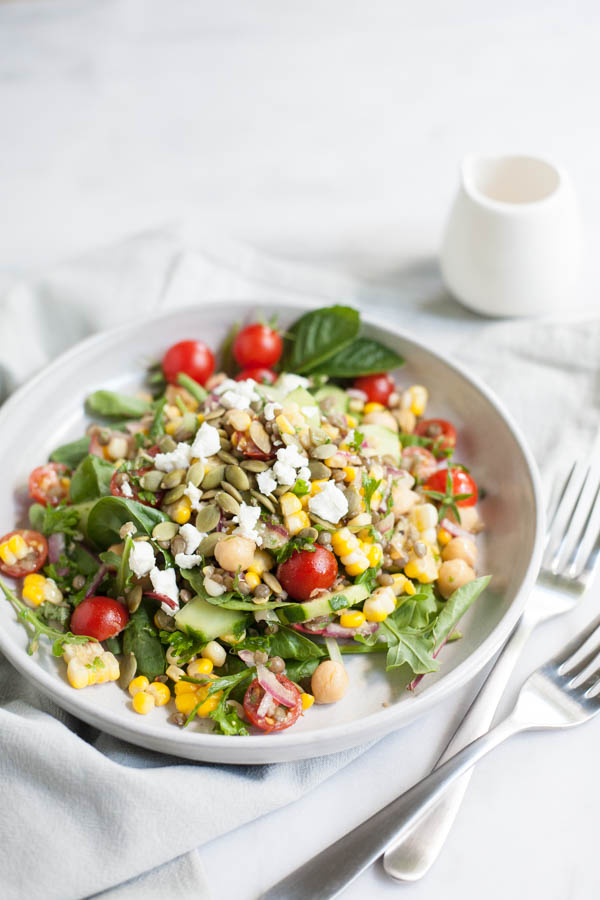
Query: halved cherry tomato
point(257, 345)
point(193, 358)
point(37, 547)
point(252, 699)
point(441, 432)
point(377, 387)
point(307, 570)
point(462, 483)
point(46, 484)
point(259, 373)
point(99, 617)
point(247, 447)
point(117, 489)
point(419, 461)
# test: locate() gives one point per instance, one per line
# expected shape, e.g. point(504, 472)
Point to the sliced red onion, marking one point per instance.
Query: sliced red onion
point(162, 598)
point(247, 656)
point(412, 685)
point(455, 529)
point(278, 529)
point(96, 580)
point(339, 631)
point(221, 525)
point(56, 545)
point(393, 470)
point(265, 705)
point(269, 682)
point(95, 445)
point(357, 394)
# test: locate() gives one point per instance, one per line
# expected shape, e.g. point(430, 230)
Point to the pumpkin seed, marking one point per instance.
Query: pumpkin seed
point(226, 444)
point(128, 670)
point(178, 544)
point(354, 501)
point(272, 582)
point(134, 598)
point(162, 620)
point(166, 444)
point(196, 473)
point(260, 436)
point(165, 531)
point(233, 491)
point(174, 495)
point(215, 414)
point(173, 479)
point(237, 477)
point(323, 451)
point(322, 523)
point(209, 495)
point(254, 465)
point(238, 419)
point(208, 517)
point(213, 478)
point(318, 470)
point(227, 457)
point(151, 481)
point(227, 503)
point(309, 534)
point(264, 501)
point(208, 544)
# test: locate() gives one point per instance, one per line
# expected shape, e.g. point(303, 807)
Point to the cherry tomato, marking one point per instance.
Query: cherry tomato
point(117, 488)
point(377, 387)
point(462, 483)
point(442, 433)
point(259, 373)
point(252, 699)
point(37, 547)
point(307, 570)
point(99, 617)
point(419, 461)
point(257, 345)
point(193, 358)
point(46, 486)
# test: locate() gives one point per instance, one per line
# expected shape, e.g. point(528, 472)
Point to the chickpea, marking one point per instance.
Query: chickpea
point(403, 499)
point(381, 417)
point(235, 553)
point(329, 682)
point(452, 575)
point(406, 420)
point(461, 548)
point(469, 519)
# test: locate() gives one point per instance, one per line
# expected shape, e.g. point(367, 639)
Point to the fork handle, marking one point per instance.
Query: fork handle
point(327, 874)
point(411, 858)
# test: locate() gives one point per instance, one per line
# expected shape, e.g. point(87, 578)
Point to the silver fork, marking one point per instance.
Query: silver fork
point(560, 694)
point(571, 554)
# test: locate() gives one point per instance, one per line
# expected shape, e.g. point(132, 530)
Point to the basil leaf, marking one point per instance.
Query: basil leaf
point(363, 356)
point(141, 638)
point(317, 335)
point(456, 606)
point(71, 454)
point(108, 403)
point(91, 479)
point(109, 514)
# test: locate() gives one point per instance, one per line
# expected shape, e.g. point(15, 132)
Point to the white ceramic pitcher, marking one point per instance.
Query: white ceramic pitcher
point(512, 245)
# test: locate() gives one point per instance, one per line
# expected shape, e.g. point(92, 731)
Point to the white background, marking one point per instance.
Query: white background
point(329, 132)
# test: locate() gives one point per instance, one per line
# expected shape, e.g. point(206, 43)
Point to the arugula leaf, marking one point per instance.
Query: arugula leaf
point(109, 514)
point(91, 479)
point(196, 390)
point(36, 626)
point(109, 404)
point(54, 519)
point(409, 646)
point(317, 335)
point(456, 606)
point(185, 646)
point(141, 638)
point(224, 716)
point(72, 453)
point(364, 356)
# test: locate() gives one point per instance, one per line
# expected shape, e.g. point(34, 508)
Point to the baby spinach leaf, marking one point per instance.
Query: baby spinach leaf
point(109, 514)
point(297, 669)
point(91, 479)
point(141, 638)
point(317, 335)
point(229, 600)
point(291, 644)
point(71, 454)
point(109, 404)
point(364, 356)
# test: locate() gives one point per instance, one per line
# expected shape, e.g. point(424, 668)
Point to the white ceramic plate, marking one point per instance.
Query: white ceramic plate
point(49, 411)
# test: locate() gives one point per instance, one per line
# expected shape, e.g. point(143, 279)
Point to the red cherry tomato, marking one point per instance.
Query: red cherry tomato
point(37, 553)
point(257, 345)
point(259, 373)
point(99, 617)
point(118, 489)
point(252, 699)
point(193, 358)
point(46, 486)
point(441, 432)
point(377, 387)
point(462, 483)
point(419, 461)
point(307, 570)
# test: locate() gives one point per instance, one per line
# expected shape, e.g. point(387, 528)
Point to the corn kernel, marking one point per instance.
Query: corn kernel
point(52, 593)
point(344, 542)
point(307, 700)
point(185, 687)
point(418, 399)
point(376, 500)
point(317, 485)
point(185, 703)
point(215, 653)
point(33, 588)
point(379, 605)
point(174, 672)
point(423, 570)
point(262, 561)
point(374, 555)
point(6, 556)
point(160, 692)
point(402, 585)
point(351, 421)
point(200, 667)
point(117, 448)
point(352, 619)
point(252, 579)
point(172, 426)
point(138, 684)
point(424, 516)
point(182, 511)
point(78, 674)
point(444, 537)
point(289, 504)
point(349, 473)
point(297, 522)
point(143, 703)
point(209, 705)
point(284, 425)
point(18, 546)
point(373, 407)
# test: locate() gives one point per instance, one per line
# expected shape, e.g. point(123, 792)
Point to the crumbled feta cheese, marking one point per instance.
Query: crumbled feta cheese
point(271, 410)
point(247, 519)
point(192, 537)
point(193, 493)
point(188, 560)
point(329, 504)
point(291, 456)
point(284, 474)
point(289, 382)
point(237, 394)
point(126, 489)
point(304, 473)
point(141, 558)
point(310, 411)
point(234, 400)
point(266, 482)
point(179, 458)
point(207, 441)
point(164, 582)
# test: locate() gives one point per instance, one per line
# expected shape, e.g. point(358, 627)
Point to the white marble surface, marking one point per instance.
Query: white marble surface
point(330, 132)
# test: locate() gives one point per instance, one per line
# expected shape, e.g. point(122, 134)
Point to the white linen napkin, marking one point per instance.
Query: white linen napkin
point(87, 813)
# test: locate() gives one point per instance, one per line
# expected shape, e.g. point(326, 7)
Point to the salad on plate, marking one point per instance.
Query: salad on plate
point(221, 541)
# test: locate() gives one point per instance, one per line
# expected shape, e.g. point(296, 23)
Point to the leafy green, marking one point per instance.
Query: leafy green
point(409, 645)
point(110, 404)
point(109, 514)
point(91, 479)
point(36, 627)
point(141, 638)
point(72, 453)
point(456, 606)
point(54, 519)
point(448, 500)
point(370, 485)
point(291, 644)
point(124, 573)
point(196, 390)
point(185, 646)
point(356, 442)
point(225, 717)
point(158, 423)
point(368, 578)
point(282, 554)
point(301, 488)
point(297, 670)
point(364, 356)
point(229, 600)
point(318, 335)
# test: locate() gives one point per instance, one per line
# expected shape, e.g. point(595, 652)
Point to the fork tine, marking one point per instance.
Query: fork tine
point(567, 532)
point(557, 501)
point(563, 660)
point(574, 559)
point(587, 660)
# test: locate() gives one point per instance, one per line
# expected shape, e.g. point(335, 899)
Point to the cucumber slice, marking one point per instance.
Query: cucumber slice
point(325, 604)
point(337, 398)
point(382, 439)
point(307, 403)
point(206, 621)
